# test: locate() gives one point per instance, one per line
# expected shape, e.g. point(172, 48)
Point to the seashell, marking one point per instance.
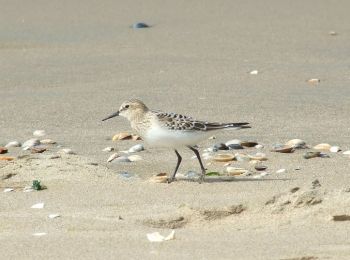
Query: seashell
point(283, 149)
point(234, 141)
point(52, 216)
point(39, 234)
point(122, 136)
point(108, 149)
point(30, 143)
point(281, 171)
point(159, 178)
point(259, 146)
point(66, 151)
point(13, 144)
point(39, 133)
point(112, 157)
point(258, 157)
point(312, 154)
point(314, 81)
point(242, 157)
point(6, 158)
point(121, 159)
point(254, 161)
point(8, 190)
point(248, 144)
point(47, 141)
point(334, 149)
point(38, 206)
point(347, 152)
point(140, 25)
point(332, 33)
point(254, 72)
point(156, 237)
point(233, 171)
point(220, 146)
point(212, 137)
point(37, 150)
point(260, 167)
point(296, 143)
point(323, 147)
point(136, 137)
point(235, 146)
point(134, 158)
point(136, 148)
point(223, 157)
point(3, 150)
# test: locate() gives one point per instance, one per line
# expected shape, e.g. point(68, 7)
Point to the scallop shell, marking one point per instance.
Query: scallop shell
point(122, 136)
point(223, 157)
point(159, 178)
point(296, 143)
point(233, 171)
point(323, 147)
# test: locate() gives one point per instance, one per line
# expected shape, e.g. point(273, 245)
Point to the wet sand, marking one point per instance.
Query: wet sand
point(66, 65)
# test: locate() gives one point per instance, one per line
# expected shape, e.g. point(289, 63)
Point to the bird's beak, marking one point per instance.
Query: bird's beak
point(111, 116)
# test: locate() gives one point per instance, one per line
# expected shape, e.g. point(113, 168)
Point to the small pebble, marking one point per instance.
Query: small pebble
point(334, 149)
point(30, 143)
point(3, 150)
point(108, 149)
point(281, 171)
point(47, 141)
point(316, 184)
point(332, 33)
point(38, 206)
point(8, 190)
point(140, 25)
point(136, 148)
point(309, 155)
point(13, 144)
point(39, 133)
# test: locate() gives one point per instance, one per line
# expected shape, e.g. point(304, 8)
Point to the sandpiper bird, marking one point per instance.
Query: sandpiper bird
point(169, 129)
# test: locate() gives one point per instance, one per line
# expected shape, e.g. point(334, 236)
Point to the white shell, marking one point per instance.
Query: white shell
point(254, 72)
point(54, 216)
point(13, 144)
point(30, 143)
point(259, 146)
point(38, 206)
point(136, 148)
point(66, 151)
point(134, 158)
point(112, 157)
point(8, 189)
point(39, 133)
point(156, 237)
point(108, 149)
point(334, 149)
point(121, 159)
point(234, 141)
point(39, 234)
point(314, 81)
point(236, 171)
point(324, 147)
point(281, 171)
point(47, 141)
point(296, 143)
point(347, 152)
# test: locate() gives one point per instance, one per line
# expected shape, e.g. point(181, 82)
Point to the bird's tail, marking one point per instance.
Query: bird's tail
point(217, 126)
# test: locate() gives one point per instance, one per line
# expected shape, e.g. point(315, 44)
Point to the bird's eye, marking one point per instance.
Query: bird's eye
point(127, 106)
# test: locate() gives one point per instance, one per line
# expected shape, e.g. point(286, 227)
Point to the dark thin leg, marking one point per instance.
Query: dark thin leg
point(179, 159)
point(201, 178)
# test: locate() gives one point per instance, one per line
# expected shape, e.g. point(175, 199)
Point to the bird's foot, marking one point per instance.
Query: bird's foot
point(170, 180)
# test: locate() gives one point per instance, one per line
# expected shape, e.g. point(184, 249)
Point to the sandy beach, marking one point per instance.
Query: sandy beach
point(65, 65)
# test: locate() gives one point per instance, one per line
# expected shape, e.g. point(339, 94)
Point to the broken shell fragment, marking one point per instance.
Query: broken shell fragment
point(3, 150)
point(234, 141)
point(38, 206)
point(254, 72)
point(223, 157)
point(6, 158)
point(8, 190)
point(314, 81)
point(122, 136)
point(283, 149)
point(259, 146)
point(159, 178)
point(54, 216)
point(233, 171)
point(334, 149)
point(248, 144)
point(296, 143)
point(112, 157)
point(323, 147)
point(281, 171)
point(156, 237)
point(346, 152)
point(13, 144)
point(309, 155)
point(136, 137)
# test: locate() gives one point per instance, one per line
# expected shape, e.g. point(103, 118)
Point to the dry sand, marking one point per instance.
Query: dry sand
point(64, 65)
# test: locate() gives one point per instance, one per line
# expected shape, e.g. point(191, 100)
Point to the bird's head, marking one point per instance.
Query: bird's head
point(129, 109)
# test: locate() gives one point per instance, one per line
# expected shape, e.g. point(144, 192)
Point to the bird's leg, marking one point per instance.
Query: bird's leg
point(179, 159)
point(201, 178)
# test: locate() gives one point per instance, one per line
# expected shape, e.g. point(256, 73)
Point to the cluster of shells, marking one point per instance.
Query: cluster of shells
point(36, 145)
point(128, 155)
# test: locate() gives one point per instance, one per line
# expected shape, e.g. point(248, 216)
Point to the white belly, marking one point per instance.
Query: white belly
point(161, 137)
